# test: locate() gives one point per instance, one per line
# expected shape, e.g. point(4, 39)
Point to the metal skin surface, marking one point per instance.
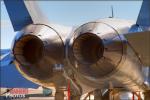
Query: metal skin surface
point(117, 65)
point(38, 53)
point(96, 54)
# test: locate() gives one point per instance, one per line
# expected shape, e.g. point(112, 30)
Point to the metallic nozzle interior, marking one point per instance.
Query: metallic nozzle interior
point(29, 48)
point(88, 48)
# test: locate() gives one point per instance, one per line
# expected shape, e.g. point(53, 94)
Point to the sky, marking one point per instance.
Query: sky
point(72, 13)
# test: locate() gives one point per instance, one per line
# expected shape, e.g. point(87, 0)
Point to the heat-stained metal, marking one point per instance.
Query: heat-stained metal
point(101, 56)
point(38, 51)
point(96, 54)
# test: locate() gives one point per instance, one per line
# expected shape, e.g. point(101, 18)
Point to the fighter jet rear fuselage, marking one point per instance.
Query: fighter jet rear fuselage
point(96, 54)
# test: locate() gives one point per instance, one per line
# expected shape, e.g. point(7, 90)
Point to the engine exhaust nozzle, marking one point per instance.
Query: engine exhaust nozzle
point(88, 48)
point(37, 51)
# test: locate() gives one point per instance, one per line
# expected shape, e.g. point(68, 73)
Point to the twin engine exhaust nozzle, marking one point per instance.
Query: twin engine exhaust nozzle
point(91, 49)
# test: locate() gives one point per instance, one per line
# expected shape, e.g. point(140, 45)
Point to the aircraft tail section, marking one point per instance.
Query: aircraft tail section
point(144, 14)
point(23, 13)
point(18, 14)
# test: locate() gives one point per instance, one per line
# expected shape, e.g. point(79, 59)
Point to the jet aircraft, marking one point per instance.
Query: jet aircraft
point(100, 56)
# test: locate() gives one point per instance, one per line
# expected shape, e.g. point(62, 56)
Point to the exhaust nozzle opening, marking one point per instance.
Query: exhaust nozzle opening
point(88, 48)
point(29, 49)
